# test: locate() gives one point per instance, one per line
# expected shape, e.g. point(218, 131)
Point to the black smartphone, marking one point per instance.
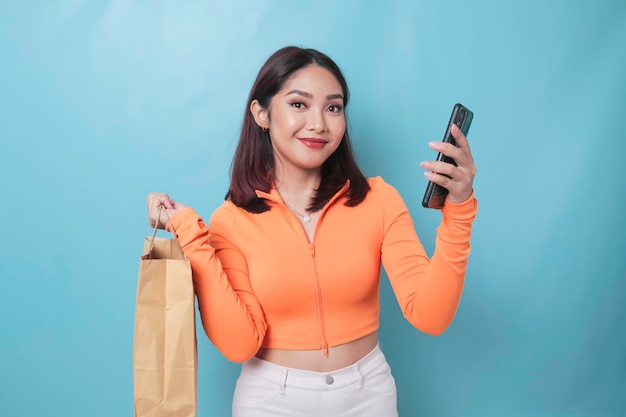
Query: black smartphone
point(435, 195)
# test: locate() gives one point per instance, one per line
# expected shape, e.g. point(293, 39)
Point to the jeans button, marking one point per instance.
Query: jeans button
point(329, 380)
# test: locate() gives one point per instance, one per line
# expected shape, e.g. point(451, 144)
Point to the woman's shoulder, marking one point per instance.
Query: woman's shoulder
point(379, 185)
point(229, 214)
point(224, 215)
point(383, 192)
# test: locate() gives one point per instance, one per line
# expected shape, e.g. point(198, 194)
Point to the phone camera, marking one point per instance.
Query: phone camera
point(460, 118)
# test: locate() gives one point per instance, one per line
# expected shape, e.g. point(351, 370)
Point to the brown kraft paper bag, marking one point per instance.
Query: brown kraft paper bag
point(164, 346)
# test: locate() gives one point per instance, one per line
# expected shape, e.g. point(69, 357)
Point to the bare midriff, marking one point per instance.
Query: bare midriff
point(314, 360)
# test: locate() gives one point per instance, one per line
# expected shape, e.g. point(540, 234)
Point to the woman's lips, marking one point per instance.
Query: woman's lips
point(314, 143)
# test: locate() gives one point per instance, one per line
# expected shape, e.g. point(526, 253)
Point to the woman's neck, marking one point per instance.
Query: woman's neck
point(297, 189)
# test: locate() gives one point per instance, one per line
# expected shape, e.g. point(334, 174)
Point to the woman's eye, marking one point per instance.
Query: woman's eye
point(298, 105)
point(335, 108)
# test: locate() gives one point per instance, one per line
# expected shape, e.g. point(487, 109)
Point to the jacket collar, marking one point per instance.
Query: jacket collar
point(275, 197)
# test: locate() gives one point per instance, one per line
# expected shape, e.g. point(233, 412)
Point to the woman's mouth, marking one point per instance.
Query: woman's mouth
point(314, 143)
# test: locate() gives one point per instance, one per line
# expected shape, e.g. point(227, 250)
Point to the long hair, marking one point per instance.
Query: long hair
point(253, 164)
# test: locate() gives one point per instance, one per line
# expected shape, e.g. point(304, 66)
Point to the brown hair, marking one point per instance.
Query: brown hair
point(253, 164)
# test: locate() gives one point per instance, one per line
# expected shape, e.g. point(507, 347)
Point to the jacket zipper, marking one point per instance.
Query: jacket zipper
point(320, 307)
point(275, 197)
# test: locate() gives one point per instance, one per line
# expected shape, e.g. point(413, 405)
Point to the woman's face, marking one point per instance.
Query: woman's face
point(306, 120)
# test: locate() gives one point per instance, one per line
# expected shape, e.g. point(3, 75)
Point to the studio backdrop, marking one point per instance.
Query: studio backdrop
point(102, 102)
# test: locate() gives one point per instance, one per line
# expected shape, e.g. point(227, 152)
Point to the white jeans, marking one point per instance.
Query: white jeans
point(365, 389)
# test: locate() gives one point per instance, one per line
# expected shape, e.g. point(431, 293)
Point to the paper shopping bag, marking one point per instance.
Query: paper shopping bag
point(164, 344)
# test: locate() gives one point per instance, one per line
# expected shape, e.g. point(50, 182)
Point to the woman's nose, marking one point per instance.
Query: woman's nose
point(316, 122)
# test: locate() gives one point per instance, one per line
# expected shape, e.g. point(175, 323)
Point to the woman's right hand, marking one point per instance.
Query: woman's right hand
point(154, 201)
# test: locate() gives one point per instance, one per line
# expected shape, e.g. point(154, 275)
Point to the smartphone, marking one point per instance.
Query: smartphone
point(435, 195)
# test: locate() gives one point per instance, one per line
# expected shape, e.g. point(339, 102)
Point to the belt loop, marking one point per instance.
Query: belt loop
point(283, 381)
point(359, 375)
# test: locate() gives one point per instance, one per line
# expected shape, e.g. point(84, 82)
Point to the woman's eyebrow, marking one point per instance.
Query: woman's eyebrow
point(309, 95)
point(334, 96)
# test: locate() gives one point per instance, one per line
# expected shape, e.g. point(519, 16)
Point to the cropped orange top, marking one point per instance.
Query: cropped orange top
point(260, 283)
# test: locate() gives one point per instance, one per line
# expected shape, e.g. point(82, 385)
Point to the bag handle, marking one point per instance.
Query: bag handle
point(156, 226)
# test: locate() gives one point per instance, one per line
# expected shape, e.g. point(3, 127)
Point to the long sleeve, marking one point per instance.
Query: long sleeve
point(428, 290)
point(231, 315)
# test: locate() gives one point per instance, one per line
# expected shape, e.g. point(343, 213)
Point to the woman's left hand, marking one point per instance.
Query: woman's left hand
point(461, 177)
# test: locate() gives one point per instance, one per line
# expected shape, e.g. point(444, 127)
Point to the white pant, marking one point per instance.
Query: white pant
point(365, 389)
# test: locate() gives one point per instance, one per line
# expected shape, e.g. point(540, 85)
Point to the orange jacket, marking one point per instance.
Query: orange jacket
point(259, 282)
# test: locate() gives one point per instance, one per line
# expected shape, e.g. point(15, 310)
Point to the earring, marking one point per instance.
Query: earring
point(264, 129)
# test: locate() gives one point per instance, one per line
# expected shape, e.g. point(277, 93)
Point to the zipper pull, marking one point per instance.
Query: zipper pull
point(325, 348)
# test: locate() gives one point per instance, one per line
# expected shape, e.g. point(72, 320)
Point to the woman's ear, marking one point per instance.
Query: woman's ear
point(260, 114)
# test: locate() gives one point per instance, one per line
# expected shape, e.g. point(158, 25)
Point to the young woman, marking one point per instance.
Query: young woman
point(287, 272)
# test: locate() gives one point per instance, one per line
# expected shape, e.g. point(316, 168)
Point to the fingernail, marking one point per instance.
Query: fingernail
point(424, 164)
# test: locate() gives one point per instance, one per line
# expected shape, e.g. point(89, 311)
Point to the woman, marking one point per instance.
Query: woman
point(287, 273)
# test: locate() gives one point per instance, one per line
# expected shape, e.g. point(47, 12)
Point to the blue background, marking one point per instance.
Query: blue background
point(102, 102)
